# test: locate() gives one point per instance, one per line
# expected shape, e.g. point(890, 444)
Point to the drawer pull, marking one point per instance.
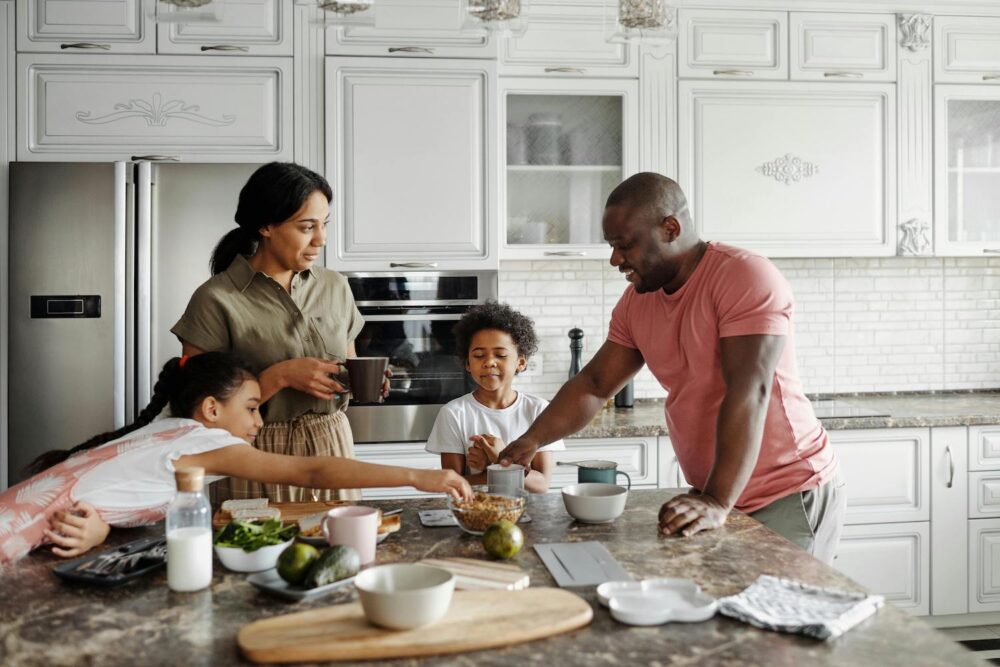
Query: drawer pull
point(843, 75)
point(413, 265)
point(565, 253)
point(565, 70)
point(951, 467)
point(410, 49)
point(991, 77)
point(991, 251)
point(85, 45)
point(732, 72)
point(155, 158)
point(225, 47)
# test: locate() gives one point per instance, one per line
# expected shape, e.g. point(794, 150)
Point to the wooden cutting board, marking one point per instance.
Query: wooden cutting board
point(289, 511)
point(473, 575)
point(476, 620)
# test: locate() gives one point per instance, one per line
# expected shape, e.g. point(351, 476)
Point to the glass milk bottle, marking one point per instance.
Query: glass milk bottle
point(189, 533)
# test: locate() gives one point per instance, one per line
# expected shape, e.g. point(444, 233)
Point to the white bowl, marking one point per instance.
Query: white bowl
point(237, 560)
point(404, 595)
point(680, 600)
point(595, 503)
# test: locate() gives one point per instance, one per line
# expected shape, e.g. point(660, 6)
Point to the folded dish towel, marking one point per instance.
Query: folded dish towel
point(790, 606)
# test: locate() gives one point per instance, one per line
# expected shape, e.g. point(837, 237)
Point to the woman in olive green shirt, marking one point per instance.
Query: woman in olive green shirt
point(290, 320)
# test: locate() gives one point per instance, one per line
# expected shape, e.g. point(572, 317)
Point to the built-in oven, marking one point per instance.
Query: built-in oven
point(410, 318)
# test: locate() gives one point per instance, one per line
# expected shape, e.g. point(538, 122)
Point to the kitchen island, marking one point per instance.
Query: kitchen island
point(46, 622)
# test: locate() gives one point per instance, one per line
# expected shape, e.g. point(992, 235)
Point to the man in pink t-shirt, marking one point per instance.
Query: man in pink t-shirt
point(714, 325)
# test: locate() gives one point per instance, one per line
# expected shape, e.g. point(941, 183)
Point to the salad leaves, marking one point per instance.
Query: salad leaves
point(252, 535)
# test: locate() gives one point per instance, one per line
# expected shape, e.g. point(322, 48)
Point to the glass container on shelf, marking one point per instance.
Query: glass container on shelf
point(973, 170)
point(564, 156)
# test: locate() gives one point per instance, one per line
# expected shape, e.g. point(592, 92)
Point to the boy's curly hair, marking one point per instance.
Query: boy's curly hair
point(500, 316)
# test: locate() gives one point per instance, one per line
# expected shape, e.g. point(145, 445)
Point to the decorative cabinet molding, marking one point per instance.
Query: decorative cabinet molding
point(94, 26)
point(110, 108)
point(842, 47)
point(791, 169)
point(915, 31)
point(966, 49)
point(984, 448)
point(411, 151)
point(714, 43)
point(984, 575)
point(914, 238)
point(915, 190)
point(247, 27)
point(658, 110)
point(889, 559)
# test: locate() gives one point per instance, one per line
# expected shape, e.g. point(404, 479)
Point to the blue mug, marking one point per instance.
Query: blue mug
point(602, 472)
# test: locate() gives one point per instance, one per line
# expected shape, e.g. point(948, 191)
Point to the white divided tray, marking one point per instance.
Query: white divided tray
point(656, 601)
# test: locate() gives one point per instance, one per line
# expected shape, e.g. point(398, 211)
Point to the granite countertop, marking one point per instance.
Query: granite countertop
point(46, 622)
point(895, 411)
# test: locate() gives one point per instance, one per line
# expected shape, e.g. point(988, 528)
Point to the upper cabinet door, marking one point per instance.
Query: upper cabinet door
point(404, 28)
point(566, 40)
point(966, 49)
point(791, 169)
point(248, 27)
point(411, 153)
point(723, 44)
point(843, 47)
point(92, 26)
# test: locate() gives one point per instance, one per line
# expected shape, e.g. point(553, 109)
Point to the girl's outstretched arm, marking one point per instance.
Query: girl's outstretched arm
point(329, 472)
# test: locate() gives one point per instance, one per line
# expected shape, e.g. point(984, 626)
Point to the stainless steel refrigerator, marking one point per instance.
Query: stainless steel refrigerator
point(103, 260)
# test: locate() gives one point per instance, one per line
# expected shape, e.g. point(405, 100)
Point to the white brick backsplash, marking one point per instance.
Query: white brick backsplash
point(862, 324)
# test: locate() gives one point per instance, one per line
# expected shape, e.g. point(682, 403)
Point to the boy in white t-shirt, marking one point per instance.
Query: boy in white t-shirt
point(494, 341)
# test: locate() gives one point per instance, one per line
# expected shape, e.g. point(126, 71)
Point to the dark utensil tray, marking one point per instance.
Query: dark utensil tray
point(69, 571)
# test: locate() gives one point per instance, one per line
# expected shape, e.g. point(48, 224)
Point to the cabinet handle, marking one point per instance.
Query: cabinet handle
point(413, 265)
point(991, 251)
point(951, 467)
point(225, 47)
point(991, 77)
point(843, 75)
point(410, 49)
point(86, 45)
point(565, 253)
point(565, 70)
point(155, 158)
point(733, 72)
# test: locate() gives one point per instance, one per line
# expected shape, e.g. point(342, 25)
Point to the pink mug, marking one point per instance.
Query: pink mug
point(354, 526)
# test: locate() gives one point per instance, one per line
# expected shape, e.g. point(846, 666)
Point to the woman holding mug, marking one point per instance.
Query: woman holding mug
point(294, 322)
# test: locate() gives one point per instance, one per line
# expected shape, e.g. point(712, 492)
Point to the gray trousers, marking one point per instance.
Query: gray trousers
point(811, 519)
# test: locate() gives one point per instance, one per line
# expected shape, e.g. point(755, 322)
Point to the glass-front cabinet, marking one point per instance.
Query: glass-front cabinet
point(568, 143)
point(967, 174)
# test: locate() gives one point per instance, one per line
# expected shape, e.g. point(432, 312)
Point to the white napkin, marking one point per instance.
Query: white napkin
point(790, 606)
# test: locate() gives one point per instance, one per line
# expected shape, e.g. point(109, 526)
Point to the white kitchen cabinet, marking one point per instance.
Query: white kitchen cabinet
point(949, 536)
point(984, 565)
point(113, 107)
point(412, 158)
point(566, 39)
point(403, 28)
point(98, 26)
point(984, 448)
point(966, 49)
point(791, 169)
point(889, 559)
point(842, 47)
point(404, 454)
point(6, 156)
point(247, 27)
point(887, 472)
point(569, 143)
point(716, 43)
point(966, 170)
point(635, 456)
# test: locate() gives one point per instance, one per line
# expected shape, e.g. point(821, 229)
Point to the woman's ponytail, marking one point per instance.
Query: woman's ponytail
point(235, 242)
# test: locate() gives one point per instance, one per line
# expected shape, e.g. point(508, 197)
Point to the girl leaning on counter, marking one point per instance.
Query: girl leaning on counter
point(292, 321)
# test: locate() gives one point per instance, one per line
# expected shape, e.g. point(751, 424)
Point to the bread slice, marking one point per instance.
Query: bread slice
point(256, 513)
point(247, 504)
point(312, 525)
point(390, 524)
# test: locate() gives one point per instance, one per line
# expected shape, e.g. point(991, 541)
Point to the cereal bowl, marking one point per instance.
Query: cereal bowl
point(404, 595)
point(486, 508)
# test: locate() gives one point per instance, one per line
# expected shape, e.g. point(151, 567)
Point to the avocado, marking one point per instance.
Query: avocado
point(334, 564)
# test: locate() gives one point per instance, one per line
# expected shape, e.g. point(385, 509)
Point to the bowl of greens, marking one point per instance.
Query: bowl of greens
point(253, 546)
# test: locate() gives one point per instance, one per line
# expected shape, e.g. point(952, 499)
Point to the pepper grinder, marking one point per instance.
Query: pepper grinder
point(626, 397)
point(575, 351)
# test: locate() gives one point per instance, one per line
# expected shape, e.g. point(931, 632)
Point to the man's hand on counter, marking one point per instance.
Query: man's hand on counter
point(691, 513)
point(519, 451)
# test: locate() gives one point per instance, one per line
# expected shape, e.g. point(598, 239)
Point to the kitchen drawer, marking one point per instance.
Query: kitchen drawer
point(566, 40)
point(92, 26)
point(111, 108)
point(984, 565)
point(842, 47)
point(966, 49)
point(248, 27)
point(403, 28)
point(984, 444)
point(635, 456)
point(732, 44)
point(887, 473)
point(405, 454)
point(984, 494)
point(889, 559)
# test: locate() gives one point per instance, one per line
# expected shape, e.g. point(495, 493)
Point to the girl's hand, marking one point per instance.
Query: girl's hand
point(446, 481)
point(490, 444)
point(312, 376)
point(477, 459)
point(385, 383)
point(76, 531)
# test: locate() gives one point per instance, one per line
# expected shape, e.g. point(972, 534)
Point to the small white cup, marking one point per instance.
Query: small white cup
point(356, 527)
point(500, 477)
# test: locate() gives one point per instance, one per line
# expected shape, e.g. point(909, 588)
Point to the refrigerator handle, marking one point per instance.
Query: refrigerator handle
point(143, 282)
point(120, 324)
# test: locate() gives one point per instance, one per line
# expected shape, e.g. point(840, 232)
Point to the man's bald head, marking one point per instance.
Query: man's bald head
point(655, 197)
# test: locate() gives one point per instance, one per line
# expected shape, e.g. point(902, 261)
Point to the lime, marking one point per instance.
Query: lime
point(503, 539)
point(295, 561)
